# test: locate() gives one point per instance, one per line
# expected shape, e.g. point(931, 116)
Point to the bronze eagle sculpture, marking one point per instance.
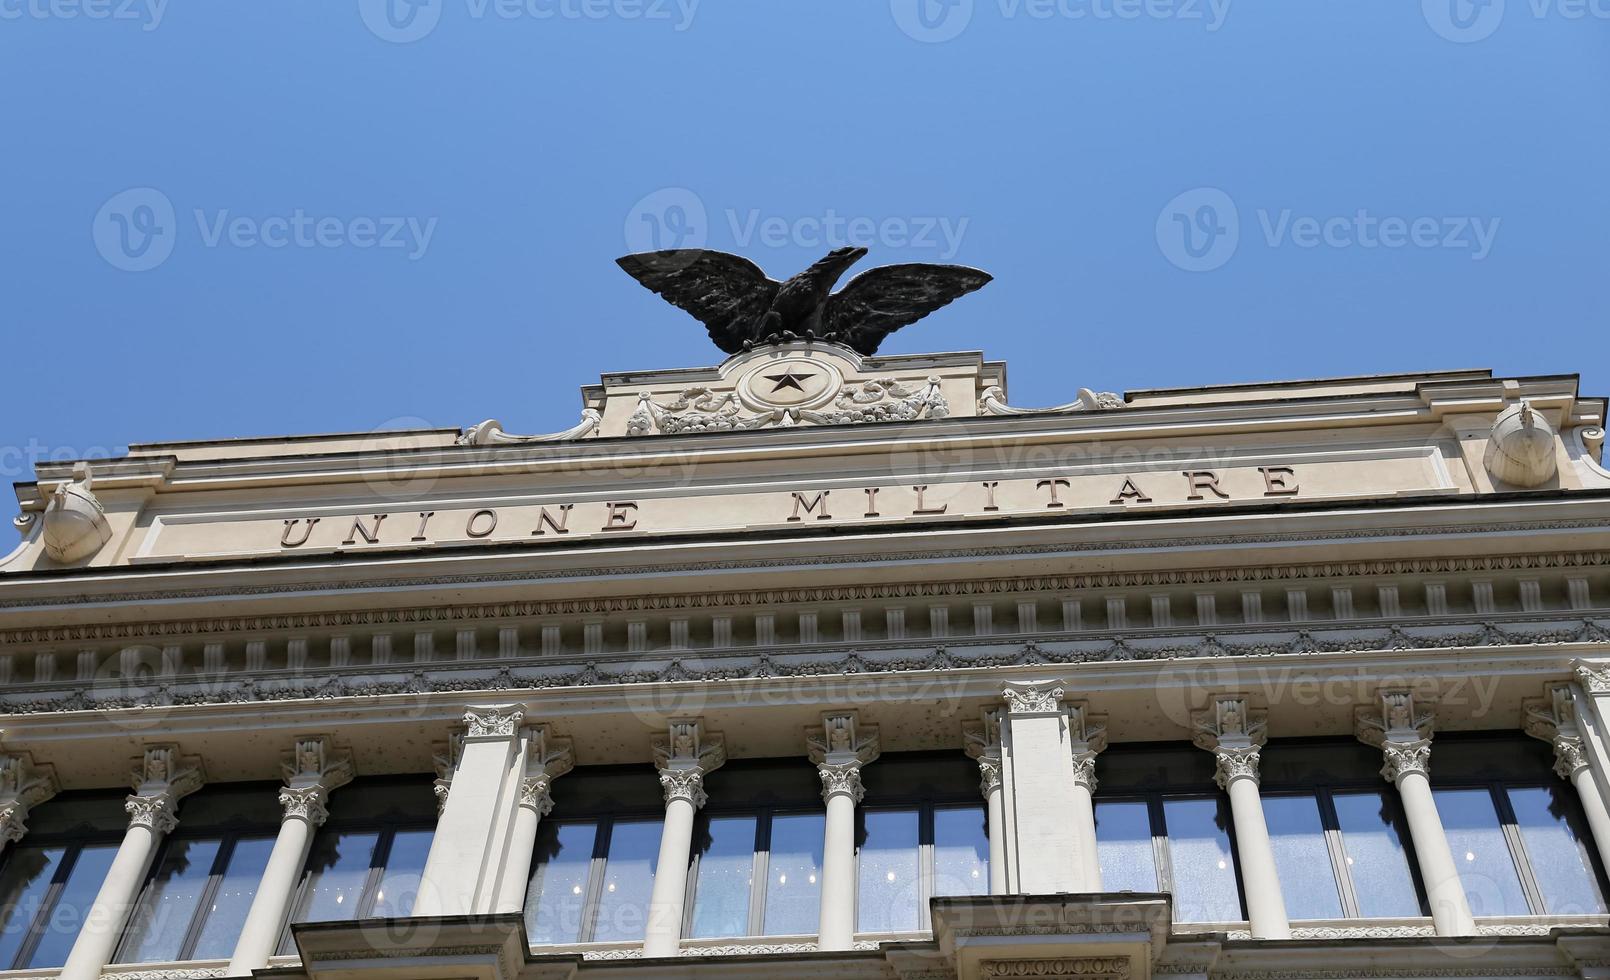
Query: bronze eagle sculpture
point(742, 308)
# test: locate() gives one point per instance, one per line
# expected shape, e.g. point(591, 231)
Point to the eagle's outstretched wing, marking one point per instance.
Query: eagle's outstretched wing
point(880, 301)
point(727, 293)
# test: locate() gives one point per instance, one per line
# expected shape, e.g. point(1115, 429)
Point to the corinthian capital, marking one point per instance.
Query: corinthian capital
point(313, 768)
point(161, 778)
point(548, 756)
point(493, 721)
point(1234, 733)
point(1401, 729)
point(1033, 698)
point(23, 786)
point(684, 754)
point(1087, 736)
point(840, 747)
point(1552, 718)
point(981, 740)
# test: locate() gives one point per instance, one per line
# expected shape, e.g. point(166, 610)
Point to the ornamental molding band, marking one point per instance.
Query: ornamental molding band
point(1069, 968)
point(1033, 698)
point(1234, 733)
point(24, 785)
point(981, 740)
point(684, 754)
point(839, 748)
point(1402, 730)
point(1552, 718)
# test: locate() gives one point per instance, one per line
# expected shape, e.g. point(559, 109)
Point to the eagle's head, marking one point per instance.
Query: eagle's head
point(831, 266)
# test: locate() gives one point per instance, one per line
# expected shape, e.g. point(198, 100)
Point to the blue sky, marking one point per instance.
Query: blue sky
point(1169, 192)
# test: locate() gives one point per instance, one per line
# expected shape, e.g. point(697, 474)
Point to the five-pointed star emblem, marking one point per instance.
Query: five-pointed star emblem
point(788, 379)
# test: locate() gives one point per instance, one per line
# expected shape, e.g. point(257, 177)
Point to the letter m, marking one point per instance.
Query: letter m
point(809, 506)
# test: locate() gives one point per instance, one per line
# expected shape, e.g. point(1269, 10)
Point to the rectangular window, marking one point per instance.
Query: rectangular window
point(1378, 866)
point(725, 849)
point(1556, 840)
point(359, 873)
point(1302, 855)
point(793, 872)
point(1124, 845)
point(889, 892)
point(25, 890)
point(557, 895)
point(161, 921)
point(232, 898)
point(64, 915)
point(961, 851)
point(628, 879)
point(1206, 888)
point(1481, 851)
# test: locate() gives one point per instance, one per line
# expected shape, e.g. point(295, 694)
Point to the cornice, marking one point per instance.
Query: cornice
point(750, 664)
point(769, 598)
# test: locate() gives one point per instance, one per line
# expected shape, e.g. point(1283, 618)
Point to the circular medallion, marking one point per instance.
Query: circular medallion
point(790, 382)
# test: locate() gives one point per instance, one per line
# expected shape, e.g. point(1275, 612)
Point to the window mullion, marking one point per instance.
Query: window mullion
point(1160, 857)
point(47, 907)
point(209, 892)
point(1517, 850)
point(759, 870)
point(1337, 848)
point(377, 873)
point(595, 881)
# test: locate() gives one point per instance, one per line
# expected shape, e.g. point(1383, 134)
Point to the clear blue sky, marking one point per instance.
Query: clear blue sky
point(537, 140)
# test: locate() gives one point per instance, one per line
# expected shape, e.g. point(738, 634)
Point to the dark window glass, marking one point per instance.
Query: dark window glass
point(890, 892)
point(1302, 857)
point(725, 879)
point(1557, 843)
point(1124, 846)
point(337, 874)
point(158, 927)
point(66, 915)
point(24, 888)
point(793, 872)
point(1377, 862)
point(399, 881)
point(233, 898)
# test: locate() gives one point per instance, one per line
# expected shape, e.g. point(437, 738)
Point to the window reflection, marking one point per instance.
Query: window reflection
point(233, 898)
point(24, 885)
point(1480, 852)
point(793, 875)
point(1124, 846)
point(725, 849)
point(1302, 857)
point(634, 848)
point(1206, 888)
point(159, 923)
point(1373, 851)
point(961, 851)
point(61, 923)
point(889, 892)
point(558, 892)
point(1557, 842)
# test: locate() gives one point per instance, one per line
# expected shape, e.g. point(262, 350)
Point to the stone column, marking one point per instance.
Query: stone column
point(23, 786)
point(1403, 734)
point(313, 769)
point(684, 755)
point(161, 779)
point(982, 739)
point(1233, 734)
point(1087, 736)
point(1045, 852)
point(1553, 719)
point(478, 794)
point(547, 757)
point(840, 747)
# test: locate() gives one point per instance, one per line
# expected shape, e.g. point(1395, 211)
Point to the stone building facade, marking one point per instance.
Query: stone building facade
point(826, 665)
